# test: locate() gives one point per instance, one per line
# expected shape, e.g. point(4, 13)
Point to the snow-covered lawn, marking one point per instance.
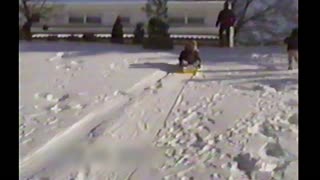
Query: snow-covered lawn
point(236, 118)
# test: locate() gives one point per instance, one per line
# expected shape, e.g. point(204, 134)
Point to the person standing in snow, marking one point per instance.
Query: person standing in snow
point(226, 20)
point(117, 31)
point(292, 47)
point(190, 55)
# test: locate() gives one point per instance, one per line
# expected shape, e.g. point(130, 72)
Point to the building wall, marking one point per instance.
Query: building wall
point(199, 17)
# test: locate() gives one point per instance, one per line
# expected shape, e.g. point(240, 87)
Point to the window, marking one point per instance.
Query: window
point(176, 20)
point(76, 19)
point(93, 20)
point(195, 20)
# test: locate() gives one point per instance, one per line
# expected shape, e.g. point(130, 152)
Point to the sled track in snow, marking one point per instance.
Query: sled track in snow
point(39, 159)
point(175, 102)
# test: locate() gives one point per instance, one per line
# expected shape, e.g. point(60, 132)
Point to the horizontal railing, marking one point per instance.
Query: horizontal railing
point(126, 36)
point(200, 30)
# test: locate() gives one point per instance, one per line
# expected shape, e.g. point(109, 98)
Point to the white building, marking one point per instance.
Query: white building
point(98, 16)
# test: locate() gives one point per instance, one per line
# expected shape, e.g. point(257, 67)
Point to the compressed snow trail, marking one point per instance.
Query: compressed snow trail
point(135, 128)
point(77, 130)
point(89, 75)
point(107, 115)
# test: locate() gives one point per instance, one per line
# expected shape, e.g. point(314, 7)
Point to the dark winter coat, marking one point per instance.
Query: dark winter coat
point(189, 56)
point(226, 18)
point(292, 40)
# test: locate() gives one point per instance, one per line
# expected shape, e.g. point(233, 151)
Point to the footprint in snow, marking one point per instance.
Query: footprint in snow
point(246, 163)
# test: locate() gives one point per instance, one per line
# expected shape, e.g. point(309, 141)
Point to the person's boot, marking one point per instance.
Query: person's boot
point(221, 41)
point(227, 42)
point(290, 68)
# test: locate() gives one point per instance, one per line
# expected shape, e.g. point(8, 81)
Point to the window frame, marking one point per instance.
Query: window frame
point(203, 21)
point(178, 20)
point(93, 16)
point(83, 17)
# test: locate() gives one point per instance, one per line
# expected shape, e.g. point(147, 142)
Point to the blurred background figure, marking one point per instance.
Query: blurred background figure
point(117, 31)
point(225, 21)
point(292, 47)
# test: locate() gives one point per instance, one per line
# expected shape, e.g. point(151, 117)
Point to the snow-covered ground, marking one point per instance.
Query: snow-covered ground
point(102, 111)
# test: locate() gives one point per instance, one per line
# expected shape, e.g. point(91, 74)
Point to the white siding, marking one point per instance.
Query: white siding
point(109, 11)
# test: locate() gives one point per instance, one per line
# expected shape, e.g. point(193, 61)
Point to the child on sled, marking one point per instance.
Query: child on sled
point(190, 55)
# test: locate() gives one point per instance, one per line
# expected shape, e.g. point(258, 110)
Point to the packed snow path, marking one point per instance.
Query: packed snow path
point(103, 109)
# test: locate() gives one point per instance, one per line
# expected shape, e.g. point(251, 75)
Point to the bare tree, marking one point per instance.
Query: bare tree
point(31, 10)
point(242, 18)
point(157, 8)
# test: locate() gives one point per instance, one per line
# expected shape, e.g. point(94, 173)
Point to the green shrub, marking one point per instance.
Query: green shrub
point(138, 34)
point(158, 36)
point(157, 26)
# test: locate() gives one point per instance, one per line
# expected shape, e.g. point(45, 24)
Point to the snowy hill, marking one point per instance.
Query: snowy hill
point(99, 111)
